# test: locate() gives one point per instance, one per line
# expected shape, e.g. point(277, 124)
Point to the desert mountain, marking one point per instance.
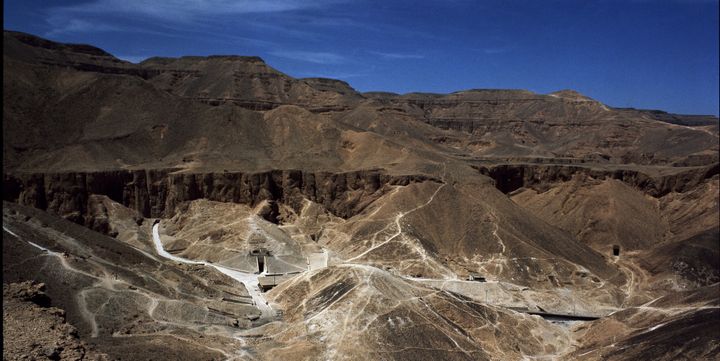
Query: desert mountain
point(162, 199)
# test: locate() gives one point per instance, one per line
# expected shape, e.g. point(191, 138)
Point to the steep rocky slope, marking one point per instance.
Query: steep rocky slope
point(158, 192)
point(381, 316)
point(676, 326)
point(247, 82)
point(111, 291)
point(34, 329)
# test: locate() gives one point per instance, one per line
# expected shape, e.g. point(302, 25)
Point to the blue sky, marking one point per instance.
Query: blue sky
point(658, 54)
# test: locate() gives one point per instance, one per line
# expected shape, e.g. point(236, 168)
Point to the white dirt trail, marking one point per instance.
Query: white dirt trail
point(250, 280)
point(84, 311)
point(399, 231)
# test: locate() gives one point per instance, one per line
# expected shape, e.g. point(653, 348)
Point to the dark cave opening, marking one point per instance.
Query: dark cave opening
point(261, 264)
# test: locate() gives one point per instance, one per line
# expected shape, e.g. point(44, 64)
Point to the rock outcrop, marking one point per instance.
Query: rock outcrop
point(510, 177)
point(157, 193)
point(33, 329)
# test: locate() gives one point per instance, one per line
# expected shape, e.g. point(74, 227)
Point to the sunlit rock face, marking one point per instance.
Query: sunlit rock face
point(216, 208)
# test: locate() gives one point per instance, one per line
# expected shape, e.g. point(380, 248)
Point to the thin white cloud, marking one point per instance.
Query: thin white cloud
point(310, 56)
point(78, 26)
point(398, 56)
point(178, 16)
point(186, 10)
point(65, 21)
point(492, 51)
point(347, 22)
point(282, 28)
point(340, 76)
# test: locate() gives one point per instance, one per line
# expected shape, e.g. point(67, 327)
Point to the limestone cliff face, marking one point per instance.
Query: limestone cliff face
point(157, 193)
point(509, 177)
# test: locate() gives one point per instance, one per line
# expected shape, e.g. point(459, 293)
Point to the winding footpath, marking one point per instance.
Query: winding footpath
point(250, 280)
point(398, 225)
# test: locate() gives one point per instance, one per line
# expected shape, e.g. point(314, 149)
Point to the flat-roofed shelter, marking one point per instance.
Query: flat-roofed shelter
point(267, 282)
point(476, 277)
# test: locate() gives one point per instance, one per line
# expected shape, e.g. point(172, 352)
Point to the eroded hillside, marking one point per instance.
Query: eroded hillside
point(214, 207)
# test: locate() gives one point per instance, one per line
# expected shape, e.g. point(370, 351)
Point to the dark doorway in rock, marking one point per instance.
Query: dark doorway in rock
point(616, 250)
point(260, 255)
point(270, 212)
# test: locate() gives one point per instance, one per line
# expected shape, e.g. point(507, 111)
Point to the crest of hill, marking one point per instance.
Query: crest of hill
point(19, 46)
point(494, 94)
point(245, 79)
point(35, 41)
point(328, 84)
point(571, 94)
point(162, 61)
point(691, 120)
point(380, 95)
